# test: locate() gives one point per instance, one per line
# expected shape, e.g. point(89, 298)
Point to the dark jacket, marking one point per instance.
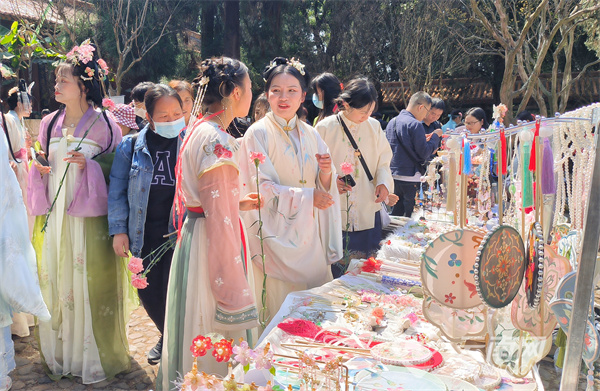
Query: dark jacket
point(430, 129)
point(405, 129)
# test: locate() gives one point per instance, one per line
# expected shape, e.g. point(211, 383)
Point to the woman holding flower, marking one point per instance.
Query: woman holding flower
point(208, 288)
point(301, 219)
point(361, 220)
point(82, 280)
point(140, 198)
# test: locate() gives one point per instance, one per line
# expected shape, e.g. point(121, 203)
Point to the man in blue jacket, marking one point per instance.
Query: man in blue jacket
point(406, 135)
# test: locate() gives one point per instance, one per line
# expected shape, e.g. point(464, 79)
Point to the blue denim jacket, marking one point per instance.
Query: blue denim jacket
point(130, 179)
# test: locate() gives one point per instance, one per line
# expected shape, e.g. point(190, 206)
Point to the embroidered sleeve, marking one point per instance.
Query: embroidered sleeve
point(235, 304)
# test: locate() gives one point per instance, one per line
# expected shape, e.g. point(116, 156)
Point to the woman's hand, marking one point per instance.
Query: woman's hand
point(322, 199)
point(76, 158)
point(324, 162)
point(251, 202)
point(343, 188)
point(392, 199)
point(381, 192)
point(40, 167)
point(121, 245)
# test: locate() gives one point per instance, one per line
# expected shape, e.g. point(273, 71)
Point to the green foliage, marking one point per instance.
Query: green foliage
point(20, 46)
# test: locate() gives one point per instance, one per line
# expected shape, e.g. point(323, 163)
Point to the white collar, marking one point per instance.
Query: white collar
point(348, 122)
point(285, 125)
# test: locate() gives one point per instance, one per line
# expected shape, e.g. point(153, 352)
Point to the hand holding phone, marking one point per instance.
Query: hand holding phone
point(348, 180)
point(40, 158)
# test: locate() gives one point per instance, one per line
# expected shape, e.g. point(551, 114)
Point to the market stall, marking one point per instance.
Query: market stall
point(473, 295)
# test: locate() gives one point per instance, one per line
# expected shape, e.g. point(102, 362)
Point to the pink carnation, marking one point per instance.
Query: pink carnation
point(139, 282)
point(71, 56)
point(347, 168)
point(108, 104)
point(257, 157)
point(86, 53)
point(135, 265)
point(103, 64)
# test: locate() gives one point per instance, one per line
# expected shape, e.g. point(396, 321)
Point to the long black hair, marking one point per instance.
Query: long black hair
point(331, 87)
point(5, 126)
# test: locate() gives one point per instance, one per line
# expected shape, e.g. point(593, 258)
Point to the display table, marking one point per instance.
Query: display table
point(345, 310)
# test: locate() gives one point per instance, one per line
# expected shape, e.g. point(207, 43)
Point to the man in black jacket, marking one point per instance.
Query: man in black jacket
point(412, 149)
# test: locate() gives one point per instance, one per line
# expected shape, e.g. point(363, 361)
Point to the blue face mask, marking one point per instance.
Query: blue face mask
point(170, 129)
point(318, 103)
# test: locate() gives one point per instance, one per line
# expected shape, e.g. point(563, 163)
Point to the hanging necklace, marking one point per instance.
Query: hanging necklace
point(223, 128)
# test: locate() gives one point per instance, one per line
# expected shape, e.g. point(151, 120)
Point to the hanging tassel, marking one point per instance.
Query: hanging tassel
point(533, 145)
point(502, 161)
point(467, 165)
point(548, 185)
point(421, 192)
point(527, 187)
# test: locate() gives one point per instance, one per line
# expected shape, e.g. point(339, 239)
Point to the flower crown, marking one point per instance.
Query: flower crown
point(84, 55)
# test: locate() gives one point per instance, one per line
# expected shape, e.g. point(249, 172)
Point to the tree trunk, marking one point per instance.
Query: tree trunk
point(231, 41)
point(209, 13)
point(507, 87)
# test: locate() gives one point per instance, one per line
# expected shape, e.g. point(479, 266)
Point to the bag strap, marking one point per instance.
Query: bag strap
point(356, 149)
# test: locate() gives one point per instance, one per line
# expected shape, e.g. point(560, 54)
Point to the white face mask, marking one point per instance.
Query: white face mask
point(140, 112)
point(170, 129)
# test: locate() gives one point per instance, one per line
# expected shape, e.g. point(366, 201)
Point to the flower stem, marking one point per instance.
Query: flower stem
point(264, 311)
point(60, 185)
point(347, 242)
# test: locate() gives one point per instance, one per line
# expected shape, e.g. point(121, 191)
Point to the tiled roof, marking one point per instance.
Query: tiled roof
point(468, 91)
point(33, 9)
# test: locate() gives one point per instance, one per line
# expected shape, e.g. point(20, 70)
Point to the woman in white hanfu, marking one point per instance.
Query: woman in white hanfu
point(19, 289)
point(301, 218)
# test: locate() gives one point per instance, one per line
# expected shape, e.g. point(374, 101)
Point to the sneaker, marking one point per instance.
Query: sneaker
point(155, 353)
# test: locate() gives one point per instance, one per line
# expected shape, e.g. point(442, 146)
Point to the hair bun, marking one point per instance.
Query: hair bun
point(277, 61)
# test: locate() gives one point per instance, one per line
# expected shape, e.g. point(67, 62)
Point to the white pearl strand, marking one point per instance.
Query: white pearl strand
point(582, 152)
point(483, 187)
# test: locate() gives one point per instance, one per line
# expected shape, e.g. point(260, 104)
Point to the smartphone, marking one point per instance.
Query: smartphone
point(42, 160)
point(349, 180)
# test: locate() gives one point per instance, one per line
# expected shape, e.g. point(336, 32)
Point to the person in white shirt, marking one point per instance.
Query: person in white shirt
point(362, 228)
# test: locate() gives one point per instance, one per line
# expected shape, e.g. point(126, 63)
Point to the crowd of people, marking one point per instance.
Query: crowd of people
point(176, 169)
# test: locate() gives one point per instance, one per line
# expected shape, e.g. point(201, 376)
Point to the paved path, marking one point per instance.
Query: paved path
point(29, 374)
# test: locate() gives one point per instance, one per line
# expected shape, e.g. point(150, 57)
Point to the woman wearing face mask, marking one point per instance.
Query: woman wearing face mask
point(357, 102)
point(302, 208)
point(209, 290)
point(83, 282)
point(142, 189)
point(326, 89)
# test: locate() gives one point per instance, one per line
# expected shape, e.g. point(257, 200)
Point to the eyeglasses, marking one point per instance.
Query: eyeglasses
point(472, 123)
point(426, 108)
